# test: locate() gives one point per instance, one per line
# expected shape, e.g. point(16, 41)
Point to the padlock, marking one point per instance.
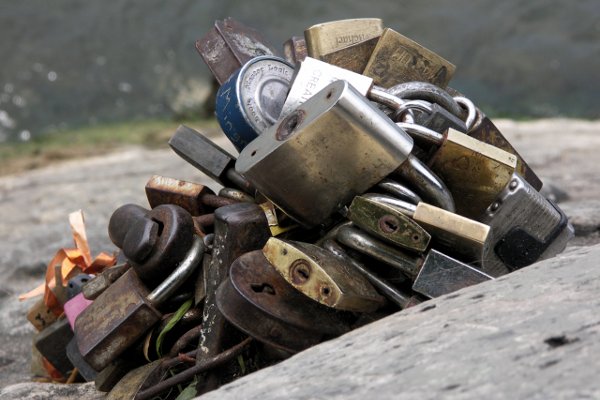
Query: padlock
point(525, 228)
point(153, 241)
point(51, 343)
point(187, 195)
point(462, 236)
point(235, 194)
point(83, 368)
point(398, 59)
point(388, 223)
point(258, 301)
point(321, 276)
point(353, 57)
point(75, 285)
point(229, 45)
point(94, 287)
point(328, 37)
point(401, 299)
point(313, 75)
point(294, 49)
point(252, 98)
point(297, 162)
point(209, 158)
point(474, 171)
point(434, 274)
point(125, 311)
point(40, 315)
point(76, 302)
point(239, 228)
point(485, 130)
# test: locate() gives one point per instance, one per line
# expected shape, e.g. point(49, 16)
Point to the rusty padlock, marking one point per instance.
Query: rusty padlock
point(126, 310)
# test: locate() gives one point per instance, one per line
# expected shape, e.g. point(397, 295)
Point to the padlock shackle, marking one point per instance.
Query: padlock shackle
point(389, 291)
point(399, 191)
point(430, 186)
point(421, 133)
point(472, 111)
point(426, 91)
point(362, 242)
point(185, 269)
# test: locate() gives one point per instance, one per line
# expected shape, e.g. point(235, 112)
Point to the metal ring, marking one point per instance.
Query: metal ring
point(471, 111)
point(426, 91)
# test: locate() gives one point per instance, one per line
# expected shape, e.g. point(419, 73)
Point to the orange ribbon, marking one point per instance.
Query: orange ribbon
point(70, 259)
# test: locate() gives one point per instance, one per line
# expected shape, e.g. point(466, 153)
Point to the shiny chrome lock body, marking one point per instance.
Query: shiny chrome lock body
point(297, 163)
point(252, 98)
point(525, 228)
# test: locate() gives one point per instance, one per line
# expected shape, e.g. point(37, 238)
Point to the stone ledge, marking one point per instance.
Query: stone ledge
point(529, 335)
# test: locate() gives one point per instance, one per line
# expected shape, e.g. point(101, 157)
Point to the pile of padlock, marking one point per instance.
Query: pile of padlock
point(364, 185)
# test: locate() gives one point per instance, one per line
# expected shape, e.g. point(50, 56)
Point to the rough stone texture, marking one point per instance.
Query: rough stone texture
point(531, 335)
point(34, 207)
point(37, 391)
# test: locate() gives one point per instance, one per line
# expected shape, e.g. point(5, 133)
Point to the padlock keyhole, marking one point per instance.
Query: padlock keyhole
point(262, 288)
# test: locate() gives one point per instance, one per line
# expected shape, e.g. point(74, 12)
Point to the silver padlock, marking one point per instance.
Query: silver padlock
point(313, 75)
point(252, 98)
point(525, 228)
point(333, 147)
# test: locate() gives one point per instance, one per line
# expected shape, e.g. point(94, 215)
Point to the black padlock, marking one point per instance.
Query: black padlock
point(154, 241)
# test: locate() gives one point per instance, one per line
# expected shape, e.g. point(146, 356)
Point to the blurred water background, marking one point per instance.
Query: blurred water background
point(70, 63)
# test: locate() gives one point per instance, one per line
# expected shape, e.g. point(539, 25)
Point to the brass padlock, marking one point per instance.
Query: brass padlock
point(329, 37)
point(458, 234)
point(397, 59)
point(354, 57)
point(388, 223)
point(474, 171)
point(321, 276)
point(297, 163)
point(434, 274)
point(229, 45)
point(484, 129)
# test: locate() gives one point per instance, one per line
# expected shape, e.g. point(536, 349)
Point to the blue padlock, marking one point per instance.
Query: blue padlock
point(252, 98)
